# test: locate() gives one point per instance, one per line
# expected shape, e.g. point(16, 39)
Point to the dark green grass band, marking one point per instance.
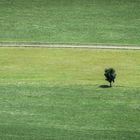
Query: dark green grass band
point(71, 21)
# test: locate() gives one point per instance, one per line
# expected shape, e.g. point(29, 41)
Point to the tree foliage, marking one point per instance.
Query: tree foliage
point(110, 75)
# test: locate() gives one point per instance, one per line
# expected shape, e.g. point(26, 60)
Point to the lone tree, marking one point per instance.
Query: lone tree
point(110, 75)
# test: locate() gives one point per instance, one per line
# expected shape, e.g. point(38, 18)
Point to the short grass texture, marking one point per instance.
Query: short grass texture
point(71, 21)
point(55, 94)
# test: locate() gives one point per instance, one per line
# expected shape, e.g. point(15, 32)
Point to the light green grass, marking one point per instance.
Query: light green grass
point(71, 21)
point(54, 94)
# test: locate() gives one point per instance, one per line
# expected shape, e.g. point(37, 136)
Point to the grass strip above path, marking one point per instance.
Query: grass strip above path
point(71, 21)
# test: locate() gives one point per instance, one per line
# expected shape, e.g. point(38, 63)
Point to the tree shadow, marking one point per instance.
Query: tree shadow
point(104, 86)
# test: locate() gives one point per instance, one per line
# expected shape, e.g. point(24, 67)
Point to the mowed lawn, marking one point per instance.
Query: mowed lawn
point(71, 21)
point(55, 94)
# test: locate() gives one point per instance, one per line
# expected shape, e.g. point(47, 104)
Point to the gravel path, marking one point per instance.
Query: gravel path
point(22, 44)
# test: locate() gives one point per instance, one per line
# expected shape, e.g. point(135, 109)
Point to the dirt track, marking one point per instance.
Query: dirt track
point(22, 44)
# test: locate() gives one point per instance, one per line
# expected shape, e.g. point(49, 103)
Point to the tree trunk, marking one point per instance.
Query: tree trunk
point(110, 84)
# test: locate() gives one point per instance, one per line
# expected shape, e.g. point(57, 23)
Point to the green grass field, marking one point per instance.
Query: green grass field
point(55, 94)
point(71, 21)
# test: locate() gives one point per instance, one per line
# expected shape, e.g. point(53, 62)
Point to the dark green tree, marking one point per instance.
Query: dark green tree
point(110, 75)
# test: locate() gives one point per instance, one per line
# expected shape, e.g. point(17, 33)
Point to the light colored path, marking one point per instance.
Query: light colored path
point(20, 44)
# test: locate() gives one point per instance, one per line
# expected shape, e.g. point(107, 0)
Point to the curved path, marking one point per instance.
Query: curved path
point(26, 44)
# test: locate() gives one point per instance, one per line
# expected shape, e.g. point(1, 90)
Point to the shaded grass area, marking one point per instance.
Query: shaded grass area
point(72, 21)
point(55, 94)
point(69, 112)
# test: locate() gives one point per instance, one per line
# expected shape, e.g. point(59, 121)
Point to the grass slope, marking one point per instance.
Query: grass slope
point(71, 21)
point(54, 94)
